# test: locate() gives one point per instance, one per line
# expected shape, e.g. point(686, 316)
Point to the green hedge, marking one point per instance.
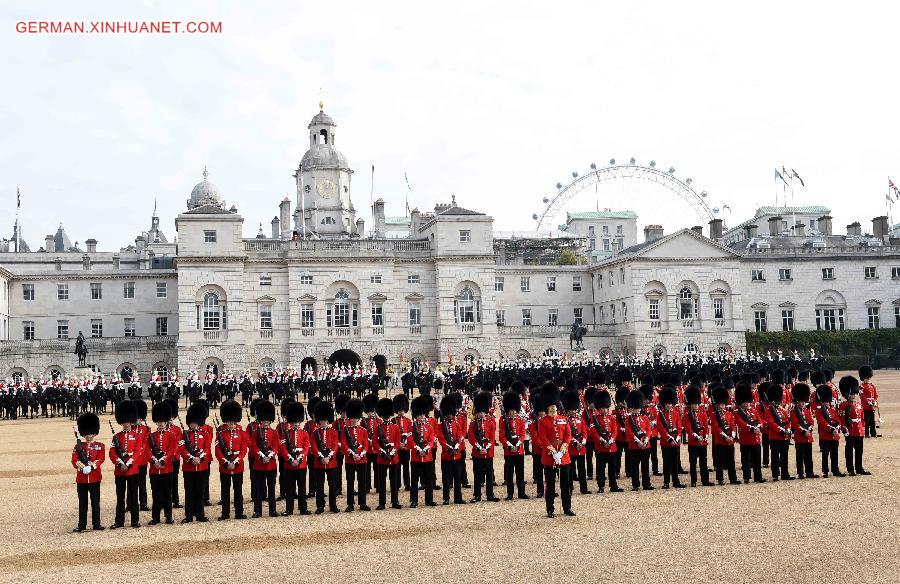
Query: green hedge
point(867, 342)
point(845, 362)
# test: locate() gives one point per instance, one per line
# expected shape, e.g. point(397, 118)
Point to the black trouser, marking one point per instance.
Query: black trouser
point(142, 486)
point(640, 467)
point(565, 487)
point(697, 455)
point(829, 449)
point(514, 464)
point(320, 474)
point(381, 478)
point(576, 472)
point(265, 489)
point(339, 458)
point(451, 477)
point(537, 472)
point(161, 490)
point(481, 468)
point(404, 466)
point(622, 450)
point(465, 470)
point(750, 462)
point(779, 458)
point(282, 479)
point(653, 455)
point(803, 453)
point(371, 463)
point(589, 459)
point(671, 456)
point(126, 487)
point(85, 491)
point(195, 484)
point(357, 473)
point(765, 450)
point(869, 418)
point(294, 489)
point(724, 454)
point(853, 453)
point(226, 482)
point(252, 484)
point(176, 469)
point(421, 471)
point(206, 492)
point(606, 464)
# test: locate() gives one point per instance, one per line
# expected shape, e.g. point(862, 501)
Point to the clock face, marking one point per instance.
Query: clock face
point(325, 188)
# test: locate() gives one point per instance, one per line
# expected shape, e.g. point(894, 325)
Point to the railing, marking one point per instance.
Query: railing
point(265, 333)
point(343, 332)
point(343, 246)
point(213, 335)
point(415, 329)
point(809, 250)
point(548, 331)
point(378, 330)
point(688, 323)
point(92, 344)
point(720, 322)
point(467, 328)
point(655, 324)
point(308, 332)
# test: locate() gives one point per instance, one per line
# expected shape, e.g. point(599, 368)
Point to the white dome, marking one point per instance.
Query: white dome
point(204, 193)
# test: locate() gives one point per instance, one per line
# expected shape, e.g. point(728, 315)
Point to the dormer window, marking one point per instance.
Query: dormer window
point(323, 137)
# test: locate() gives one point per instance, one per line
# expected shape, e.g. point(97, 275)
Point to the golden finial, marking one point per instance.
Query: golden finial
point(205, 173)
point(321, 105)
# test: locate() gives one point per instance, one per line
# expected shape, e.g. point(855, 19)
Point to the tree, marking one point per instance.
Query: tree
point(567, 258)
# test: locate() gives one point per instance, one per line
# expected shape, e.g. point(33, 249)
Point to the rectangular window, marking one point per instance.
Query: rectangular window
point(551, 284)
point(787, 320)
point(874, 315)
point(306, 280)
point(526, 317)
point(209, 236)
point(895, 273)
point(759, 319)
point(498, 284)
point(96, 328)
point(62, 329)
point(897, 316)
point(600, 281)
point(784, 274)
point(654, 309)
point(578, 314)
point(129, 327)
point(871, 272)
point(27, 291)
point(624, 312)
point(525, 284)
point(412, 279)
point(612, 313)
point(602, 315)
point(415, 315)
point(757, 276)
point(378, 314)
point(605, 245)
point(576, 283)
point(592, 244)
point(28, 330)
point(611, 281)
point(375, 279)
point(553, 317)
point(828, 273)
point(307, 318)
point(266, 279)
point(618, 230)
point(128, 290)
point(830, 319)
point(606, 230)
point(501, 318)
point(96, 291)
point(265, 317)
point(591, 231)
point(162, 290)
point(62, 291)
point(162, 326)
point(621, 275)
point(465, 236)
point(718, 308)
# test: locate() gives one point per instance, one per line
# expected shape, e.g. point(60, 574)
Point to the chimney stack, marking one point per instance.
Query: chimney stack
point(379, 217)
point(715, 229)
point(800, 229)
point(653, 232)
point(750, 231)
point(285, 221)
point(854, 229)
point(698, 229)
point(361, 227)
point(140, 243)
point(49, 244)
point(414, 222)
point(91, 245)
point(823, 224)
point(774, 225)
point(276, 227)
point(880, 227)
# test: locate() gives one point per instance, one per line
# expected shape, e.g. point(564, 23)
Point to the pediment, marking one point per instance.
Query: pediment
point(265, 298)
point(309, 297)
point(415, 296)
point(759, 305)
point(654, 293)
point(378, 297)
point(787, 304)
point(688, 245)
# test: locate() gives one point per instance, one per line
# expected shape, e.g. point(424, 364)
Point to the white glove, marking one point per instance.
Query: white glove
point(557, 457)
point(86, 469)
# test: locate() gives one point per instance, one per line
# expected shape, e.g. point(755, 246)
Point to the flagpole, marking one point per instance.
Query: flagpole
point(18, 230)
point(372, 198)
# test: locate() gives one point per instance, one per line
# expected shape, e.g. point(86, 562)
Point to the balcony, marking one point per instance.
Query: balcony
point(378, 330)
point(217, 336)
point(415, 329)
point(343, 332)
point(655, 324)
point(687, 323)
point(467, 328)
point(720, 322)
point(94, 345)
point(308, 332)
point(340, 247)
point(265, 333)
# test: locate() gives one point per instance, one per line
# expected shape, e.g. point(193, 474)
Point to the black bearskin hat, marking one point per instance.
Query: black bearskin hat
point(589, 394)
point(622, 395)
point(623, 375)
point(401, 403)
point(635, 399)
point(311, 405)
point(265, 411)
point(141, 409)
point(253, 404)
point(370, 402)
point(196, 414)
point(549, 394)
point(518, 387)
point(816, 378)
point(848, 386)
point(161, 412)
point(602, 399)
point(458, 396)
point(800, 392)
point(647, 390)
point(481, 402)
point(354, 409)
point(823, 394)
point(720, 395)
point(126, 412)
point(384, 408)
point(88, 423)
point(743, 393)
point(422, 405)
point(292, 412)
point(763, 391)
point(865, 372)
point(571, 400)
point(692, 394)
point(537, 403)
point(324, 411)
point(448, 406)
point(231, 412)
point(284, 404)
point(675, 379)
point(775, 392)
point(340, 403)
point(512, 401)
point(777, 376)
point(173, 405)
point(668, 396)
point(438, 383)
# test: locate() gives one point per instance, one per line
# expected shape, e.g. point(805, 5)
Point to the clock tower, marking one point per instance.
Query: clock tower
point(323, 184)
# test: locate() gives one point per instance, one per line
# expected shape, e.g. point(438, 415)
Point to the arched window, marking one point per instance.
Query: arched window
point(213, 313)
point(468, 307)
point(342, 313)
point(687, 304)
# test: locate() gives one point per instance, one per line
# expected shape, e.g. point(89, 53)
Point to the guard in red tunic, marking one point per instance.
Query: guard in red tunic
point(537, 449)
point(555, 437)
point(295, 448)
point(749, 429)
point(668, 425)
point(124, 453)
point(87, 458)
point(401, 408)
point(451, 438)
point(621, 415)
point(387, 438)
point(637, 434)
point(571, 401)
point(869, 400)
point(762, 412)
point(142, 430)
point(325, 445)
point(829, 423)
point(162, 450)
point(264, 446)
point(481, 434)
point(724, 434)
point(340, 422)
point(602, 429)
point(462, 420)
point(651, 410)
point(355, 446)
point(232, 445)
point(176, 463)
point(696, 425)
point(779, 422)
point(512, 432)
point(195, 452)
point(370, 424)
point(803, 425)
point(854, 426)
point(421, 451)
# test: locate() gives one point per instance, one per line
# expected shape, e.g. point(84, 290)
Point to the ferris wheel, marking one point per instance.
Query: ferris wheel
point(554, 204)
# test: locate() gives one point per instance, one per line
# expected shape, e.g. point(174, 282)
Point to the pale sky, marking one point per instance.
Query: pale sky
point(492, 102)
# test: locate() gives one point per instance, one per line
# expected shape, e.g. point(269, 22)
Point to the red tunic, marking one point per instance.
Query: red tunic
point(869, 395)
point(639, 440)
point(852, 418)
point(554, 431)
point(621, 415)
point(514, 437)
point(142, 430)
point(164, 443)
point(236, 445)
point(324, 445)
point(668, 425)
point(602, 430)
point(421, 441)
point(130, 444)
point(748, 426)
point(801, 420)
point(722, 432)
point(96, 452)
point(405, 425)
point(387, 438)
point(355, 444)
point(698, 428)
point(778, 421)
point(451, 439)
point(829, 422)
point(578, 444)
point(202, 445)
point(485, 427)
point(264, 441)
point(370, 425)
